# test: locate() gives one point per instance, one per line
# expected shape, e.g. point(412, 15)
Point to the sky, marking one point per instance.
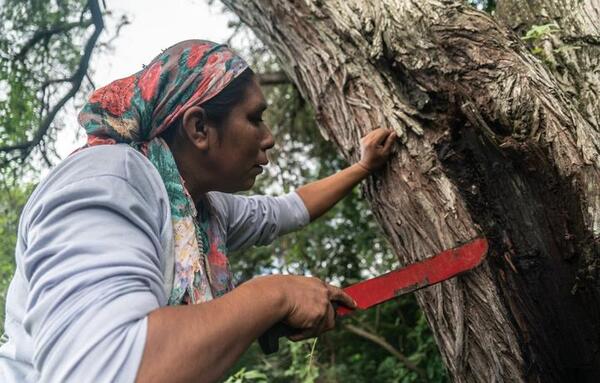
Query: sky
point(155, 25)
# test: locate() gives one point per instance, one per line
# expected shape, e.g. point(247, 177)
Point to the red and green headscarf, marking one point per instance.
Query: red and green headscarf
point(135, 110)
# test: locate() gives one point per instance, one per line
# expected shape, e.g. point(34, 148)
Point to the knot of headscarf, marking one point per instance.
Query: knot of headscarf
point(135, 110)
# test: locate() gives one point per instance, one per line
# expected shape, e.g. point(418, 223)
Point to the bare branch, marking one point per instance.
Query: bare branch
point(236, 29)
point(47, 33)
point(87, 77)
point(45, 154)
point(275, 78)
point(587, 39)
point(51, 81)
point(380, 341)
point(122, 23)
point(76, 79)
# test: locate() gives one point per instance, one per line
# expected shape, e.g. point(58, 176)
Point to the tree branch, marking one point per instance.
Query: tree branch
point(47, 33)
point(75, 80)
point(388, 347)
point(587, 39)
point(275, 78)
point(122, 23)
point(51, 81)
point(236, 28)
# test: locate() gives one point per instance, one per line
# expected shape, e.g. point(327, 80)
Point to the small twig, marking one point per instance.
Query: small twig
point(87, 76)
point(385, 345)
point(311, 357)
point(45, 34)
point(43, 151)
point(274, 78)
point(237, 26)
point(588, 39)
point(49, 82)
point(122, 23)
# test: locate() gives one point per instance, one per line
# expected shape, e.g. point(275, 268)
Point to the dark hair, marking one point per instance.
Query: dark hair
point(218, 108)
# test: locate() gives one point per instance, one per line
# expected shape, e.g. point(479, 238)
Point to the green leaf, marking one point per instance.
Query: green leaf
point(538, 31)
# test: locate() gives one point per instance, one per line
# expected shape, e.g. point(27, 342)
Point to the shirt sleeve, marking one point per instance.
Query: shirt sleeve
point(258, 220)
point(92, 262)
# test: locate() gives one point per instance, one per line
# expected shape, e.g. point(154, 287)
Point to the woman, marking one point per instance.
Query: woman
point(122, 272)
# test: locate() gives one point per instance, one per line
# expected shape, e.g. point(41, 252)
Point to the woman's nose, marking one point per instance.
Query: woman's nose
point(268, 141)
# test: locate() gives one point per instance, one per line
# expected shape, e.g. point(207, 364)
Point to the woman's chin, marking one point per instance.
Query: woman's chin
point(250, 183)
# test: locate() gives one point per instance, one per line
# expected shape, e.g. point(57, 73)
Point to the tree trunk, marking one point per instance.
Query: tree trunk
point(492, 144)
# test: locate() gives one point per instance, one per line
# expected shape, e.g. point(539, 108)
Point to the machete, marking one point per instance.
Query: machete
point(374, 291)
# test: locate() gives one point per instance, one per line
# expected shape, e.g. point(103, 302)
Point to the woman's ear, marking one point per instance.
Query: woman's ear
point(194, 127)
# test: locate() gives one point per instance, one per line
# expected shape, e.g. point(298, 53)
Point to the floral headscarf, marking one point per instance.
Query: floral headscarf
point(135, 110)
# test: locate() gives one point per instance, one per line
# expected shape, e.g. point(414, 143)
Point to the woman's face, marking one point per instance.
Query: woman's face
point(244, 141)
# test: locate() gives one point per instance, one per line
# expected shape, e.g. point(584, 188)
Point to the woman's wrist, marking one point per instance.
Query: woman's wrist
point(270, 288)
point(363, 167)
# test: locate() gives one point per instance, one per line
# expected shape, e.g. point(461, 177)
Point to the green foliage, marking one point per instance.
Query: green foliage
point(341, 356)
point(536, 32)
point(243, 376)
point(41, 44)
point(12, 201)
point(536, 37)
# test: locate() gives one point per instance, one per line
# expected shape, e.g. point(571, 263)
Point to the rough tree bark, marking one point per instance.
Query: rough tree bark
point(571, 51)
point(493, 143)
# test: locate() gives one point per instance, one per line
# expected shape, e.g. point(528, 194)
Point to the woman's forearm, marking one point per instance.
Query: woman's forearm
point(321, 195)
point(201, 342)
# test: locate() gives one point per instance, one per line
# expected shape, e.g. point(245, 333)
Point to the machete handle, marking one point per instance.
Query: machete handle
point(269, 341)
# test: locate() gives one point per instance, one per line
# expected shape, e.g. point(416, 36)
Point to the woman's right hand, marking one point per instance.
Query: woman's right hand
point(307, 303)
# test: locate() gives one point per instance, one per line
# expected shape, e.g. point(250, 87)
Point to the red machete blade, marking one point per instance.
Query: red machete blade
point(371, 292)
point(438, 268)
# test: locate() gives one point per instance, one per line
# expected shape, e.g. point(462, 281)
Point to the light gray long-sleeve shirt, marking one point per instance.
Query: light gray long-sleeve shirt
point(92, 263)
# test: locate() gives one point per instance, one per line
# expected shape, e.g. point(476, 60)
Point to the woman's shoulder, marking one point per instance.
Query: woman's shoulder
point(117, 161)
point(118, 171)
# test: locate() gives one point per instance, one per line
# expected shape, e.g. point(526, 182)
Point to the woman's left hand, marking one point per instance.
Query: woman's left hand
point(321, 195)
point(375, 148)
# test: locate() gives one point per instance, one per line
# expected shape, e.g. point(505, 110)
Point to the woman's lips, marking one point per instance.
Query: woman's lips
point(258, 168)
